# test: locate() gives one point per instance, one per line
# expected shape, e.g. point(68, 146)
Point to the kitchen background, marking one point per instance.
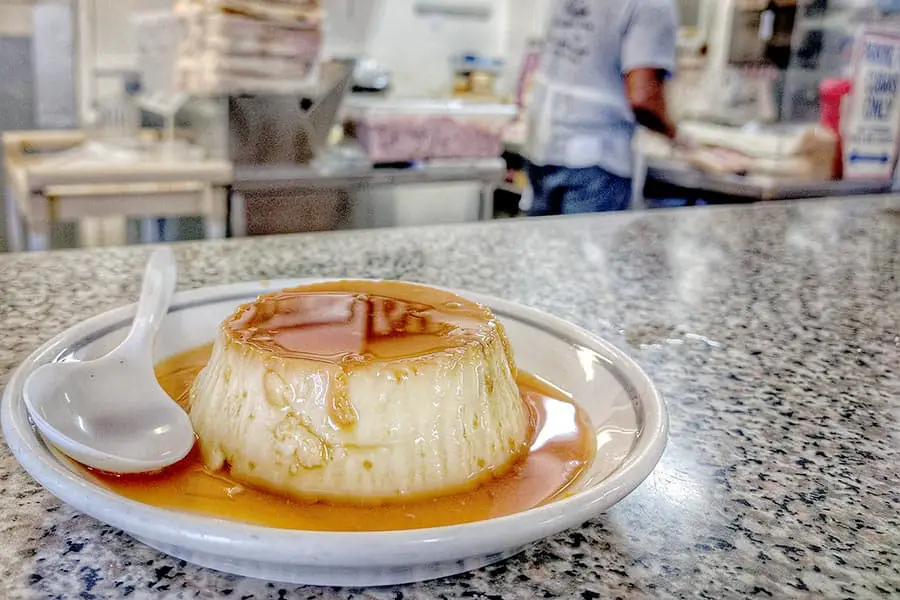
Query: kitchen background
point(757, 62)
point(39, 43)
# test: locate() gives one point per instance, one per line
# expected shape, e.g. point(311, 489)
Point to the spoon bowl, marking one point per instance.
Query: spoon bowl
point(111, 413)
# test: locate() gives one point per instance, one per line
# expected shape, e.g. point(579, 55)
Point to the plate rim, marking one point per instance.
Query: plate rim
point(251, 542)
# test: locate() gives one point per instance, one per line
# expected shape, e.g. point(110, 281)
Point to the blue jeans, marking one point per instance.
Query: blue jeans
point(567, 191)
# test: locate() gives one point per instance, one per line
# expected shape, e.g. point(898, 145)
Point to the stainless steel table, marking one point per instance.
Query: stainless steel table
point(487, 173)
point(749, 188)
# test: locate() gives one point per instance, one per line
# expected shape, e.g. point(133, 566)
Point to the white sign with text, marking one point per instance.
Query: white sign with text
point(872, 117)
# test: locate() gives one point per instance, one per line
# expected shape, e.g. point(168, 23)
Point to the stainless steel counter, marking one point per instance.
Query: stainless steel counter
point(265, 178)
point(353, 184)
point(754, 187)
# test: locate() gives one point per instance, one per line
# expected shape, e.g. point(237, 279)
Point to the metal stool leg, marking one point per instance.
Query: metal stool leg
point(37, 236)
point(149, 231)
point(486, 204)
point(15, 237)
point(216, 213)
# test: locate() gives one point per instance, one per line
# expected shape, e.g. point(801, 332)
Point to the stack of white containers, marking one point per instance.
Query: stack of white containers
point(248, 46)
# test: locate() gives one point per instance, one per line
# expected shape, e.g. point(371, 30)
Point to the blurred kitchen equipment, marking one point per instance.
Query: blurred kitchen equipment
point(285, 129)
point(63, 176)
point(832, 93)
point(369, 76)
point(729, 74)
point(116, 114)
point(405, 129)
point(475, 75)
point(761, 32)
point(472, 10)
point(350, 27)
point(693, 32)
point(260, 48)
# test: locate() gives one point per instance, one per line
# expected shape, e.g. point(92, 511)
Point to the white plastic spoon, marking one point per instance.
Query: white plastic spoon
point(110, 413)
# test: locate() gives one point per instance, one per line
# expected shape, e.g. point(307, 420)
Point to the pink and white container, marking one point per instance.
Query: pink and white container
point(411, 130)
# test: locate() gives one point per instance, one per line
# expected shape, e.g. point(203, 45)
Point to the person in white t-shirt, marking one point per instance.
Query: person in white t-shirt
point(603, 72)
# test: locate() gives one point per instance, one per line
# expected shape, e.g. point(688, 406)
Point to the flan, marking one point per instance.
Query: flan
point(362, 392)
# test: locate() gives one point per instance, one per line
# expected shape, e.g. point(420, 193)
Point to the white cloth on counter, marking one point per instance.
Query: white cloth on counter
point(797, 152)
point(762, 142)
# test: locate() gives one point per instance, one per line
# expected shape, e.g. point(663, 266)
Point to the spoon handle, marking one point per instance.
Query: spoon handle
point(156, 295)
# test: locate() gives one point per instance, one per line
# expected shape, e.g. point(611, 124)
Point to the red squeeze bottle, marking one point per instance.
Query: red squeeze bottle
point(831, 96)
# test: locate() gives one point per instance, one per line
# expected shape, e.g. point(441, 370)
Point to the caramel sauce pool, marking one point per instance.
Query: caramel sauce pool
point(561, 447)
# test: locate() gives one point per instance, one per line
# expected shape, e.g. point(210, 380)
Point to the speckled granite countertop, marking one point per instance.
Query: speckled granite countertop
point(773, 332)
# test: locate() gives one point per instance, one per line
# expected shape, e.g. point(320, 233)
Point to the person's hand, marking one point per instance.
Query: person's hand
point(684, 142)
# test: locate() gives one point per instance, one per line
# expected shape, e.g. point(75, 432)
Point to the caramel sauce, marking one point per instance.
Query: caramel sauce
point(346, 322)
point(561, 447)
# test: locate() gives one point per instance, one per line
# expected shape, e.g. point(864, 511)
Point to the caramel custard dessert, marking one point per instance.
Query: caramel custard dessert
point(361, 392)
point(363, 406)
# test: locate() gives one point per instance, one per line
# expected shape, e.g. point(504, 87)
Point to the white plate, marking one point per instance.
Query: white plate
point(628, 414)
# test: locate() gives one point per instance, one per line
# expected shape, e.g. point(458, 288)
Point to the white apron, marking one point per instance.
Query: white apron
point(575, 126)
point(579, 115)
